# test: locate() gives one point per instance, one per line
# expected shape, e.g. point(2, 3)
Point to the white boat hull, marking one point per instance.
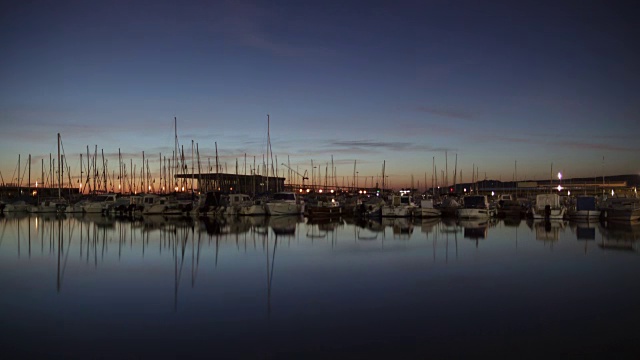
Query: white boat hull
point(252, 210)
point(284, 209)
point(475, 213)
point(554, 214)
point(397, 211)
point(430, 213)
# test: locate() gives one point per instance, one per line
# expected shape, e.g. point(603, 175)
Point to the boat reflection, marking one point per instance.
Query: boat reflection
point(284, 225)
point(585, 230)
point(547, 230)
point(402, 228)
point(620, 236)
point(368, 229)
point(428, 225)
point(474, 229)
point(512, 221)
point(326, 223)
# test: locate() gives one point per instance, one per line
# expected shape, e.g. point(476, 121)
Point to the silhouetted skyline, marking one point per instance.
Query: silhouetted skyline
point(539, 83)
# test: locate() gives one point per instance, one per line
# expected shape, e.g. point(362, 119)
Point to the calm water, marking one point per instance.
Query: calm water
point(94, 287)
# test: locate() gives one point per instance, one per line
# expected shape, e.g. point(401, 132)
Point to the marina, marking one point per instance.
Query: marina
point(319, 180)
point(290, 286)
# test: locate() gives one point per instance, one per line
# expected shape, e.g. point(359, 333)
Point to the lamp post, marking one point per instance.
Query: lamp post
point(560, 181)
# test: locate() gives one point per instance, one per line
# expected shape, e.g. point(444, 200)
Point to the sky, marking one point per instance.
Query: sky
point(516, 89)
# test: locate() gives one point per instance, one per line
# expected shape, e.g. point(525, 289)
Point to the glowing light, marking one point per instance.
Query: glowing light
point(559, 187)
point(332, 191)
point(568, 192)
point(465, 189)
point(364, 191)
point(230, 189)
point(183, 188)
point(360, 192)
point(149, 187)
point(300, 190)
point(333, 200)
point(493, 194)
point(176, 188)
point(612, 193)
point(308, 190)
point(36, 186)
point(320, 191)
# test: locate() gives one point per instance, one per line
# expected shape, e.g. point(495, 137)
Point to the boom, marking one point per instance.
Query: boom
point(304, 177)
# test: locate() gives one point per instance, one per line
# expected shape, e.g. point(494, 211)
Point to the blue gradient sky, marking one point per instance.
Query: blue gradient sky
point(493, 82)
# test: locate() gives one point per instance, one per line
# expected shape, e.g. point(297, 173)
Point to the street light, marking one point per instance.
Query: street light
point(560, 181)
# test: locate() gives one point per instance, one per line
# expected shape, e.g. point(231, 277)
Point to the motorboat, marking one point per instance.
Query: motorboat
point(621, 209)
point(399, 206)
point(548, 206)
point(476, 207)
point(585, 208)
point(285, 203)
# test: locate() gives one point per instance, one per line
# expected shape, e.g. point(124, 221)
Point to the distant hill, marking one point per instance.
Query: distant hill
point(631, 180)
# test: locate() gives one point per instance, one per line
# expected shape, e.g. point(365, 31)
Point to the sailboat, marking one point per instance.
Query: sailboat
point(53, 205)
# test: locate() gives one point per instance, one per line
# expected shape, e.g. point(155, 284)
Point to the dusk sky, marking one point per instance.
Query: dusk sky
point(495, 82)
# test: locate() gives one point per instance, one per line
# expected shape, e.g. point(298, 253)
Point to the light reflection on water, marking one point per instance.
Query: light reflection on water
point(284, 287)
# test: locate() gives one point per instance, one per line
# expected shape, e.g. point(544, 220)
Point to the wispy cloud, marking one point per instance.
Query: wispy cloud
point(448, 113)
point(249, 25)
point(594, 146)
point(555, 141)
point(381, 146)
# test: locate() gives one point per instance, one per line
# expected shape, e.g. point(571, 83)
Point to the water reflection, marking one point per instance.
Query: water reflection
point(547, 231)
point(284, 225)
point(475, 229)
point(402, 228)
point(227, 279)
point(620, 236)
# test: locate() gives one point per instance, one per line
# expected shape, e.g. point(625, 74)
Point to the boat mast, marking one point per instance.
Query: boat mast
point(192, 169)
point(199, 169)
point(175, 152)
point(516, 176)
point(433, 172)
point(59, 190)
point(446, 169)
point(95, 168)
point(217, 169)
point(455, 174)
point(29, 179)
point(383, 179)
point(268, 146)
point(42, 178)
point(119, 171)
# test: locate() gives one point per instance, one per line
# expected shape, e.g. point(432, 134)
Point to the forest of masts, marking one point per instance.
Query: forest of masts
point(181, 172)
